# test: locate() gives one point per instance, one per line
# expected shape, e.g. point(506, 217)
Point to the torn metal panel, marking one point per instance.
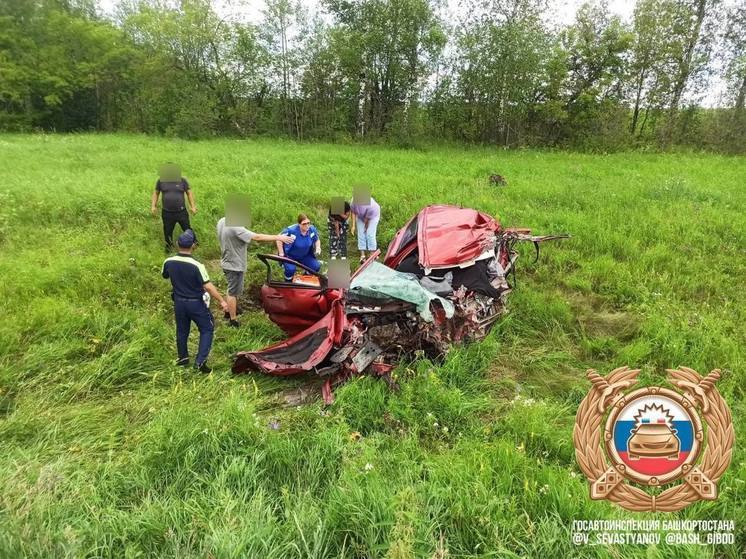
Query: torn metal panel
point(445, 281)
point(365, 356)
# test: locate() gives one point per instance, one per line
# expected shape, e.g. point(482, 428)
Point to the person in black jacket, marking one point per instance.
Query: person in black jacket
point(174, 189)
point(189, 286)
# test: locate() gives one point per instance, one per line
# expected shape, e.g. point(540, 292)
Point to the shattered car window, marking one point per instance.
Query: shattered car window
point(381, 282)
point(410, 234)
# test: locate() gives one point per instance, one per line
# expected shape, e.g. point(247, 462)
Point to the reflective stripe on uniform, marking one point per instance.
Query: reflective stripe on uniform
point(189, 260)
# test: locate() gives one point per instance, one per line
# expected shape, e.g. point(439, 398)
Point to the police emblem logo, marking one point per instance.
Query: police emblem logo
point(653, 437)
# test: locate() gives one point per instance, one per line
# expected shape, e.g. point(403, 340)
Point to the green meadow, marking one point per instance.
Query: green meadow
point(107, 449)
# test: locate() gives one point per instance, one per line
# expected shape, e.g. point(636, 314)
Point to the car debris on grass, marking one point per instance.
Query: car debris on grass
point(444, 280)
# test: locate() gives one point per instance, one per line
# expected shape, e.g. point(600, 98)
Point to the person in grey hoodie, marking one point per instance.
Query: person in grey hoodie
point(234, 241)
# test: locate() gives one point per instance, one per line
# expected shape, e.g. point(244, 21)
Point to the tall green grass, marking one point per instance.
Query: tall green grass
point(108, 450)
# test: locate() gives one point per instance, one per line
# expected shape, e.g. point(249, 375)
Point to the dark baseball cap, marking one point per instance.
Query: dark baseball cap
point(187, 239)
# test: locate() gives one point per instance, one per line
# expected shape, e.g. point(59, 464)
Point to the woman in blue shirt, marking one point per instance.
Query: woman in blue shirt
point(305, 247)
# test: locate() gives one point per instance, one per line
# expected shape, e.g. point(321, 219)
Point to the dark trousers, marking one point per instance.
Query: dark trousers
point(188, 311)
point(337, 244)
point(170, 219)
point(308, 260)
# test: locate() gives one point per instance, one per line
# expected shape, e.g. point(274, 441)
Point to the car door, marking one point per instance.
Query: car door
point(294, 306)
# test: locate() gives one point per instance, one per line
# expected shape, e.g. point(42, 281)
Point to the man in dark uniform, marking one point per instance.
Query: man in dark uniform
point(190, 284)
point(174, 188)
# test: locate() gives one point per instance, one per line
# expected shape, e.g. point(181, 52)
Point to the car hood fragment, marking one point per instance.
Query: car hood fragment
point(448, 236)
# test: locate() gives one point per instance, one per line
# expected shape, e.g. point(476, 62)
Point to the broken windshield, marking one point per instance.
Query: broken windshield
point(381, 282)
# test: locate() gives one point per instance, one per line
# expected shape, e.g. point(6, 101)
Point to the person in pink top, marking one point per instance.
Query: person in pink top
point(366, 219)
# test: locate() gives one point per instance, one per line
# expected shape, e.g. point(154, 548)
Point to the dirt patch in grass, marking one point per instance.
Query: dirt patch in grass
point(252, 297)
point(305, 393)
point(620, 325)
point(598, 319)
point(509, 376)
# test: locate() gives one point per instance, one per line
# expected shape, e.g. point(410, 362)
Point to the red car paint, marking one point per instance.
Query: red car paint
point(311, 346)
point(294, 307)
point(445, 236)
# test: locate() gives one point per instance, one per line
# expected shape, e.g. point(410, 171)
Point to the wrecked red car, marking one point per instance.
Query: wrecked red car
point(444, 280)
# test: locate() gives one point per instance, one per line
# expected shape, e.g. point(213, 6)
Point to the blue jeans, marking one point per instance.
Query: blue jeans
point(308, 260)
point(186, 312)
point(367, 240)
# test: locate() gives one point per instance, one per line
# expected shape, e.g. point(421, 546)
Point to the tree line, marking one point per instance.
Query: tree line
point(390, 70)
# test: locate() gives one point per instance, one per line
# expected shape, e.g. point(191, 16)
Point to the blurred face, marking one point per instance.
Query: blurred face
point(305, 225)
point(361, 195)
point(169, 173)
point(237, 211)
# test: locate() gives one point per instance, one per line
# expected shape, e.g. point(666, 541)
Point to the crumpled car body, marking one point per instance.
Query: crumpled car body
point(295, 306)
point(443, 237)
point(444, 280)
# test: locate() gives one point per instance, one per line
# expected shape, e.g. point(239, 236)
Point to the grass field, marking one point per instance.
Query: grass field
point(108, 450)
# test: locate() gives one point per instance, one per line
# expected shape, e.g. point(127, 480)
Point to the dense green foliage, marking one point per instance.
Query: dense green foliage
point(108, 450)
point(403, 71)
